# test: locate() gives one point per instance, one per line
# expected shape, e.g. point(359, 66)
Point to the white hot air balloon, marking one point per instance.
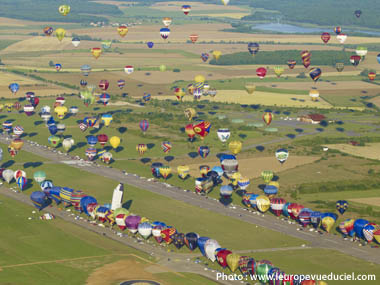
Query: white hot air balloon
point(67, 143)
point(210, 246)
point(128, 69)
point(8, 175)
point(1, 154)
point(145, 229)
point(19, 173)
point(223, 134)
point(341, 38)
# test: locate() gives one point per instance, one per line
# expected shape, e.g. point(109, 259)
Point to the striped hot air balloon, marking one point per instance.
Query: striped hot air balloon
point(141, 148)
point(267, 118)
point(166, 146)
point(76, 196)
point(65, 195)
point(277, 205)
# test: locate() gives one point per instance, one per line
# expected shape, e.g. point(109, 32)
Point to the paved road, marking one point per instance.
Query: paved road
point(168, 261)
point(327, 241)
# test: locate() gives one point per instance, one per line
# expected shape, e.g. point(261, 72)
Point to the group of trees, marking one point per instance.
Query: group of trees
point(281, 57)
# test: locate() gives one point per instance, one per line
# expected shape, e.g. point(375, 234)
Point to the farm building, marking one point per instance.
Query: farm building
point(311, 118)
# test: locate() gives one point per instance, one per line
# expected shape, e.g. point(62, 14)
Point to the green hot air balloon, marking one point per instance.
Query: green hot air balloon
point(54, 141)
point(39, 176)
point(267, 176)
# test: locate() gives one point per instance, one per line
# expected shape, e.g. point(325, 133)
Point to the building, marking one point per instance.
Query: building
point(312, 118)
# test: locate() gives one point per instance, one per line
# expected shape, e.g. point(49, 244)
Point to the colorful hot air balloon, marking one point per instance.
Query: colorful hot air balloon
point(75, 41)
point(165, 171)
point(277, 205)
point(328, 220)
point(58, 66)
point(204, 57)
point(128, 69)
point(144, 125)
point(223, 134)
point(121, 83)
point(203, 151)
point(183, 171)
point(14, 87)
point(167, 21)
point(106, 119)
point(40, 199)
point(190, 113)
point(216, 54)
point(64, 10)
point(262, 203)
point(122, 30)
point(325, 37)
point(141, 148)
point(371, 76)
point(150, 44)
point(186, 9)
point(282, 155)
point(250, 88)
point(235, 147)
point(60, 33)
point(21, 182)
point(85, 69)
point(226, 191)
point(202, 129)
point(61, 111)
point(261, 72)
point(96, 52)
point(358, 13)
point(292, 63)
point(314, 94)
point(166, 146)
point(279, 70)
point(306, 56)
point(270, 190)
point(315, 74)
point(103, 84)
point(355, 60)
point(267, 176)
point(267, 118)
point(347, 227)
point(48, 31)
point(67, 143)
point(189, 129)
point(341, 206)
point(164, 32)
point(193, 38)
point(253, 48)
point(145, 229)
point(337, 30)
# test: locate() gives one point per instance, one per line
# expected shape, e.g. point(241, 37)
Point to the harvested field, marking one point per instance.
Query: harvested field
point(370, 150)
point(373, 201)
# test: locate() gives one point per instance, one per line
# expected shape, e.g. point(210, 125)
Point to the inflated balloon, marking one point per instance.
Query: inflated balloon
point(165, 171)
point(223, 134)
point(106, 44)
point(54, 141)
point(103, 84)
point(145, 229)
point(193, 38)
point(121, 83)
point(270, 190)
point(85, 69)
point(186, 9)
point(221, 257)
point(339, 66)
point(64, 10)
point(210, 247)
point(91, 153)
point(106, 119)
point(314, 94)
point(141, 148)
point(18, 131)
point(371, 75)
point(58, 66)
point(267, 176)
point(67, 143)
point(96, 52)
point(144, 125)
point(167, 21)
point(337, 30)
point(128, 69)
point(261, 72)
point(39, 199)
point(262, 203)
point(92, 140)
point(183, 171)
point(325, 37)
point(341, 38)
point(166, 146)
point(61, 111)
point(21, 182)
point(60, 33)
point(358, 13)
point(250, 88)
point(75, 41)
point(226, 191)
point(204, 57)
point(282, 155)
point(341, 206)
point(355, 60)
point(203, 151)
point(115, 142)
point(189, 129)
point(277, 206)
point(253, 48)
point(164, 32)
point(235, 146)
point(122, 30)
point(315, 74)
point(216, 54)
point(202, 129)
point(347, 227)
point(279, 70)
point(328, 220)
point(304, 216)
point(14, 87)
point(48, 31)
point(292, 63)
point(150, 44)
point(104, 98)
point(361, 51)
point(267, 118)
point(306, 56)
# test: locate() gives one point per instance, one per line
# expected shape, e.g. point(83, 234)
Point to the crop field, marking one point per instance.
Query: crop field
point(370, 150)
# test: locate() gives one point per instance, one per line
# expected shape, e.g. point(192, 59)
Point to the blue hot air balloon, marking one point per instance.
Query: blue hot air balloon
point(378, 58)
point(14, 87)
point(285, 209)
point(203, 151)
point(53, 129)
point(46, 184)
point(341, 206)
point(315, 73)
point(150, 44)
point(253, 48)
point(201, 244)
point(164, 32)
point(315, 218)
point(50, 122)
point(85, 201)
point(359, 226)
point(53, 193)
point(83, 83)
point(270, 190)
point(144, 125)
point(226, 191)
point(21, 182)
point(40, 199)
point(191, 240)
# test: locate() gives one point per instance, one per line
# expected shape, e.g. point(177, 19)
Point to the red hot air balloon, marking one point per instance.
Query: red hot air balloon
point(371, 76)
point(261, 72)
point(267, 118)
point(103, 84)
point(325, 37)
point(277, 205)
point(102, 139)
point(202, 129)
point(193, 38)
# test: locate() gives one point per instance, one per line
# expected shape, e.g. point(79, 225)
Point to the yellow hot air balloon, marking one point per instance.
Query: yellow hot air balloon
point(235, 177)
point(61, 111)
point(233, 261)
point(17, 144)
point(96, 52)
point(106, 119)
point(165, 171)
point(115, 141)
point(64, 9)
point(190, 113)
point(235, 146)
point(204, 169)
point(275, 183)
point(144, 220)
point(263, 203)
point(327, 223)
point(60, 33)
point(216, 54)
point(250, 87)
point(141, 148)
point(199, 79)
point(279, 70)
point(314, 94)
point(122, 30)
point(183, 171)
point(1, 107)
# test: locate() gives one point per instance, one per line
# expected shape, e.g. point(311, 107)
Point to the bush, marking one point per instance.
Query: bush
point(176, 70)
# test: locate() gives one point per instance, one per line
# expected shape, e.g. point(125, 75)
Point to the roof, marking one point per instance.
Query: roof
point(316, 117)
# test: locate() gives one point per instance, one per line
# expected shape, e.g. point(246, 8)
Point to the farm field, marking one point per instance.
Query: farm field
point(371, 150)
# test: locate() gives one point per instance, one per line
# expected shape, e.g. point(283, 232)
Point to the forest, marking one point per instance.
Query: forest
point(281, 57)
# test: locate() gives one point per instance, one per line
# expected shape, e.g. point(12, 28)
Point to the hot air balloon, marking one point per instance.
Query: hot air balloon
point(120, 214)
point(223, 134)
point(359, 225)
point(106, 119)
point(193, 38)
point(347, 227)
point(339, 66)
point(183, 171)
point(341, 38)
point(282, 155)
point(67, 143)
point(191, 240)
point(103, 84)
point(202, 129)
point(225, 2)
point(60, 33)
point(165, 171)
point(243, 183)
point(91, 153)
point(14, 87)
point(115, 142)
point(314, 94)
point(261, 72)
point(168, 234)
point(262, 203)
point(61, 111)
point(304, 216)
point(328, 220)
point(315, 74)
point(96, 52)
point(85, 69)
point(253, 48)
point(40, 199)
point(277, 205)
point(205, 56)
point(145, 229)
point(141, 148)
point(189, 129)
point(166, 146)
point(267, 176)
point(121, 83)
point(186, 9)
point(106, 44)
point(122, 30)
point(48, 31)
point(279, 70)
point(358, 13)
point(203, 151)
point(270, 190)
point(210, 247)
point(18, 131)
point(167, 21)
point(221, 257)
point(92, 140)
point(250, 88)
point(226, 191)
point(104, 98)
point(371, 75)
point(325, 37)
point(355, 60)
point(128, 69)
point(132, 222)
point(216, 54)
point(46, 185)
point(58, 66)
point(88, 97)
point(190, 113)
point(164, 32)
point(292, 63)
point(337, 30)
point(21, 182)
point(341, 206)
point(179, 93)
point(64, 10)
point(235, 147)
point(39, 176)
point(150, 44)
point(75, 41)
point(267, 118)
point(361, 51)
point(144, 125)
point(306, 56)
point(378, 58)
